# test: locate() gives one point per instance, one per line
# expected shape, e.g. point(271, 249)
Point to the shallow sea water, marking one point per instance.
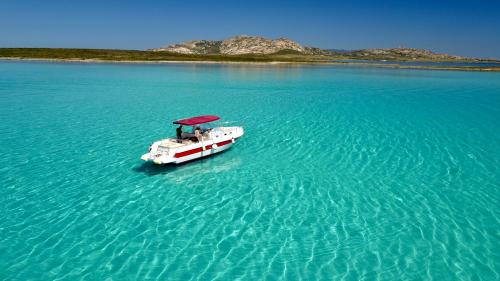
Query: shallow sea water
point(344, 173)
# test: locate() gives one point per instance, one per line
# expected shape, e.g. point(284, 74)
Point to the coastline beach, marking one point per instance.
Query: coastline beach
point(375, 64)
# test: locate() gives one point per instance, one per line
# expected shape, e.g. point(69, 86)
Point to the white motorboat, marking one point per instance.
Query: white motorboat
point(203, 140)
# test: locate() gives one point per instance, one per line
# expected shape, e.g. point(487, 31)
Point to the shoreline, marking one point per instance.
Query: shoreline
point(264, 63)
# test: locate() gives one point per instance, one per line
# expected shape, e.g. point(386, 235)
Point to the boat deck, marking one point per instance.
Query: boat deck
point(173, 143)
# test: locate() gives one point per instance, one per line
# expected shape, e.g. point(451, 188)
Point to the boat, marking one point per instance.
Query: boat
point(202, 140)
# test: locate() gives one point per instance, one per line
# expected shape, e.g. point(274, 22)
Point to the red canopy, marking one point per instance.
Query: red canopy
point(197, 120)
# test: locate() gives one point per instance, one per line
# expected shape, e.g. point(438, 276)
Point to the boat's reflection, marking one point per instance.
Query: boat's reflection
point(209, 165)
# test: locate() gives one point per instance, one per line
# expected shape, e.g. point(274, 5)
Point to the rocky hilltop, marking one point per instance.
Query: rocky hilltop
point(257, 45)
point(239, 45)
point(244, 44)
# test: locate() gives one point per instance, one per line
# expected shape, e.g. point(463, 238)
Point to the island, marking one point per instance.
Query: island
point(257, 49)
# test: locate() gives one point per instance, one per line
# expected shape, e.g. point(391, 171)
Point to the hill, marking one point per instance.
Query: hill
point(241, 45)
point(244, 45)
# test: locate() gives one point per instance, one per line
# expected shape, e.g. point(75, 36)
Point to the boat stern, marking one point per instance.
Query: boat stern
point(157, 159)
point(158, 154)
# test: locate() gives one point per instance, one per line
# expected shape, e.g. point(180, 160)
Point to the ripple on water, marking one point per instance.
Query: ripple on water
point(343, 173)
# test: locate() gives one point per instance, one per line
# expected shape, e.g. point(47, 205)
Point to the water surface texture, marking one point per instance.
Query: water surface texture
point(344, 173)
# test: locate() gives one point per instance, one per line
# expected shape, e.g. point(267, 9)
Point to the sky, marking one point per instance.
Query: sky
point(467, 28)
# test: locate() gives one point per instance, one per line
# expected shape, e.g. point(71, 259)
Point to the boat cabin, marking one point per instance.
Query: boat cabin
point(198, 131)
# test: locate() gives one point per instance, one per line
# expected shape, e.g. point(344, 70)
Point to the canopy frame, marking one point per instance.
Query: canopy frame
point(197, 120)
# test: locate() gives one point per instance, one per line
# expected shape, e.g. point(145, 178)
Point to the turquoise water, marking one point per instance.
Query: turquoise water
point(344, 173)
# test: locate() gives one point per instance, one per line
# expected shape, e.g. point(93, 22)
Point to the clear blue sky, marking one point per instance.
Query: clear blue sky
point(469, 28)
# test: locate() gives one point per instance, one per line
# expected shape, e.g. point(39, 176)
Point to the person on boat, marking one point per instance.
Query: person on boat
point(179, 132)
point(197, 133)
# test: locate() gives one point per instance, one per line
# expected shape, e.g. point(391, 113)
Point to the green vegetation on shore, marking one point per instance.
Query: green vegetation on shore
point(136, 55)
point(163, 56)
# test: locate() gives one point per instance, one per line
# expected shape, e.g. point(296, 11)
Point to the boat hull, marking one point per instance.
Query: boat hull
point(200, 153)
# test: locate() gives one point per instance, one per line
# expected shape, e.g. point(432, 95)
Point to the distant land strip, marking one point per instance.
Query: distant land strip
point(282, 56)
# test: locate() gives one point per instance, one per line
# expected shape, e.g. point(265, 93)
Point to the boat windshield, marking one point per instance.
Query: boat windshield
point(206, 127)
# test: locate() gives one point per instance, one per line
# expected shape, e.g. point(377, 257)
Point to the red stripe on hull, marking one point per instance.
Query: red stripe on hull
point(199, 149)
